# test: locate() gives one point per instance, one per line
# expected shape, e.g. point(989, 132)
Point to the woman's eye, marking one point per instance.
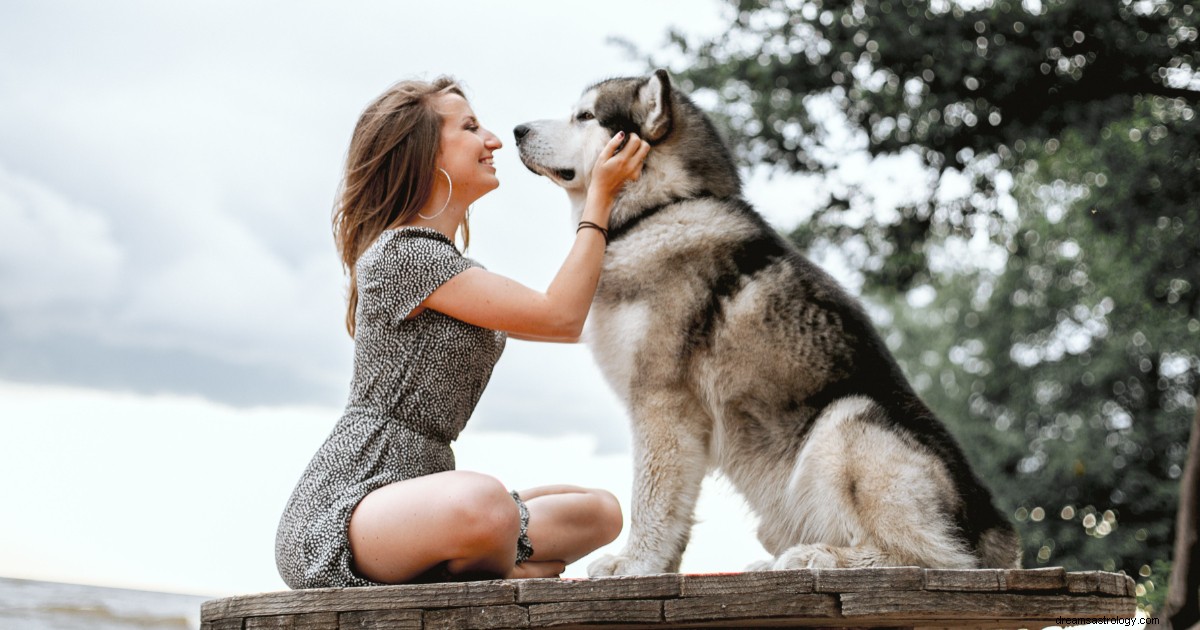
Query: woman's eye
point(585, 116)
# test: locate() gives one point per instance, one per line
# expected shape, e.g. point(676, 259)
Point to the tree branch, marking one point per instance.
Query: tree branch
point(1183, 591)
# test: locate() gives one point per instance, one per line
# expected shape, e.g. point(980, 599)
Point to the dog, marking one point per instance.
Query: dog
point(734, 352)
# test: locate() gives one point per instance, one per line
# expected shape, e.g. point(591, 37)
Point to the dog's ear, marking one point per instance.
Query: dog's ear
point(655, 96)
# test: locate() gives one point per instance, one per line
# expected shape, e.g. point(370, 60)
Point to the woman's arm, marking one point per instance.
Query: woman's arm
point(490, 300)
point(574, 339)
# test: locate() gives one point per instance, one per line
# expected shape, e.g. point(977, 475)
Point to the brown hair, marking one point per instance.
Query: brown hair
point(390, 170)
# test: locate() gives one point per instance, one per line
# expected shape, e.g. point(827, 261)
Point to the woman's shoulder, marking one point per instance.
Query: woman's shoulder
point(403, 266)
point(408, 245)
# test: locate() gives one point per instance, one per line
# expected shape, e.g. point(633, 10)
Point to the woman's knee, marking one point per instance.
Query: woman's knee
point(486, 516)
point(609, 519)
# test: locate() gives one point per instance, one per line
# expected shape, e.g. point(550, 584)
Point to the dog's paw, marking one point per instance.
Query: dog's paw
point(806, 557)
point(617, 565)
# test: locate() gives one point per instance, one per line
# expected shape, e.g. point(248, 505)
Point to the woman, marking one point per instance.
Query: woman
point(381, 503)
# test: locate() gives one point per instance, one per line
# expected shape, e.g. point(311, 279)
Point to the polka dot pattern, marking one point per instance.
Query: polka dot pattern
point(416, 382)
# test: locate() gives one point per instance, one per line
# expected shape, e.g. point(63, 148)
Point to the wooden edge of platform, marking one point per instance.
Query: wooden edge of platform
point(894, 596)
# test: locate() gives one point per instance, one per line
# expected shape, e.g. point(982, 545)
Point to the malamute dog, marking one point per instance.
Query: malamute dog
point(734, 352)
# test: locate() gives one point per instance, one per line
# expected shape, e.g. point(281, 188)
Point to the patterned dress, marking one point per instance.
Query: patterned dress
point(416, 382)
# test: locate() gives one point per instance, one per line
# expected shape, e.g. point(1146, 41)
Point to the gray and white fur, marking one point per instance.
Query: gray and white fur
point(735, 353)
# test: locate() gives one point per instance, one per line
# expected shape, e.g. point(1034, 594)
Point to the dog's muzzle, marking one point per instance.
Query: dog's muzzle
point(520, 132)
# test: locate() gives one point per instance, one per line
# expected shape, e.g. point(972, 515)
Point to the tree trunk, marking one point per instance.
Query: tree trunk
point(1183, 592)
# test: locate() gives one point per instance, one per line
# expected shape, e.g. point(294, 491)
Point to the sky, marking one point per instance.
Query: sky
point(171, 341)
point(172, 349)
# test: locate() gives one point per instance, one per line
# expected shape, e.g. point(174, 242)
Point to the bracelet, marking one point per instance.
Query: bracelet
point(589, 224)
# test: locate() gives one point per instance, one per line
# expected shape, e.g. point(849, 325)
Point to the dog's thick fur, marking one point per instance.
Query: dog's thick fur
point(733, 351)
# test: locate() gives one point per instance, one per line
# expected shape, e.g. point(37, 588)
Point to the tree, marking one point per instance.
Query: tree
point(1183, 604)
point(956, 85)
point(1070, 369)
point(1064, 375)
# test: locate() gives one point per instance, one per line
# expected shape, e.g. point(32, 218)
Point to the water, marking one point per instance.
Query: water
point(32, 605)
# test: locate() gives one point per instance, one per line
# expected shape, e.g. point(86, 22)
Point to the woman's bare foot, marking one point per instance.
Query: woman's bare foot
point(546, 569)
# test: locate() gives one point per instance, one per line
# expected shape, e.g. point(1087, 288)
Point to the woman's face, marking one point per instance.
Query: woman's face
point(466, 151)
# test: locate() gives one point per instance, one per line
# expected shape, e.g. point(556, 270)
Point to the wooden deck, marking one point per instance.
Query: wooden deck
point(831, 598)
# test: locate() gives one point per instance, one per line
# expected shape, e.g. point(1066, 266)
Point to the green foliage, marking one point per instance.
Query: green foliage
point(1051, 313)
point(1081, 361)
point(936, 75)
point(961, 87)
point(1152, 587)
point(1070, 374)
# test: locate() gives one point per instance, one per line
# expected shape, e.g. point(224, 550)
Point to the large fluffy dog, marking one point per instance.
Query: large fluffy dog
point(734, 352)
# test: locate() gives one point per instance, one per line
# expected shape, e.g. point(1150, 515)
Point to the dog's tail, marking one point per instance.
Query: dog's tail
point(999, 548)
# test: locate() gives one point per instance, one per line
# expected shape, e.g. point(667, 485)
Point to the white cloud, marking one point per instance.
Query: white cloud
point(55, 253)
point(226, 286)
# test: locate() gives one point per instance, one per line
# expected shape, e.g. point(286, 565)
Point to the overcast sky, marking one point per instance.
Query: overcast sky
point(167, 173)
point(171, 303)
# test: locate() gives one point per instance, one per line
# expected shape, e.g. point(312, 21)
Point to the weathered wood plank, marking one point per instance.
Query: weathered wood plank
point(309, 621)
point(1096, 582)
point(478, 618)
point(1130, 586)
point(1049, 579)
point(967, 606)
point(876, 597)
point(629, 611)
point(449, 595)
point(751, 606)
point(409, 619)
point(618, 587)
point(950, 624)
point(780, 582)
point(963, 580)
point(855, 580)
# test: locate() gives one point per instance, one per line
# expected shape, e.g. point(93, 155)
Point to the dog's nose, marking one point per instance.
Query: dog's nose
point(521, 131)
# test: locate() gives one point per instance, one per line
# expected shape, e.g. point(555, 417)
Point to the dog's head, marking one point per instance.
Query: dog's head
point(566, 149)
point(688, 158)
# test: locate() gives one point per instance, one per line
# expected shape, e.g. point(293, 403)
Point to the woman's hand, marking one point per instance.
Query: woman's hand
point(490, 300)
point(617, 165)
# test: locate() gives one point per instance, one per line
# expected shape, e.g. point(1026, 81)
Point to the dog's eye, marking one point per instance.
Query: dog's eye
point(585, 116)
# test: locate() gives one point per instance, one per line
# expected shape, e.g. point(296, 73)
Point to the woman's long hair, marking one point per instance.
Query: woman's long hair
point(390, 170)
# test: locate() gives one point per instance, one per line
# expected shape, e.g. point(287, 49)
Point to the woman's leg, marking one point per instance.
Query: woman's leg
point(469, 522)
point(567, 523)
point(466, 520)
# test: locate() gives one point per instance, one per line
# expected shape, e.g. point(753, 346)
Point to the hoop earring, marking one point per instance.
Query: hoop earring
point(448, 195)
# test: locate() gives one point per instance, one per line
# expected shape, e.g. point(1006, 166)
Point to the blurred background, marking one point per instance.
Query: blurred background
point(1009, 186)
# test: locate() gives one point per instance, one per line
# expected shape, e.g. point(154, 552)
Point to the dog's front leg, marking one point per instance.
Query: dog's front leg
point(670, 451)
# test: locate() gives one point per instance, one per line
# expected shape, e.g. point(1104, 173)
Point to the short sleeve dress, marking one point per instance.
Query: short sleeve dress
point(416, 382)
